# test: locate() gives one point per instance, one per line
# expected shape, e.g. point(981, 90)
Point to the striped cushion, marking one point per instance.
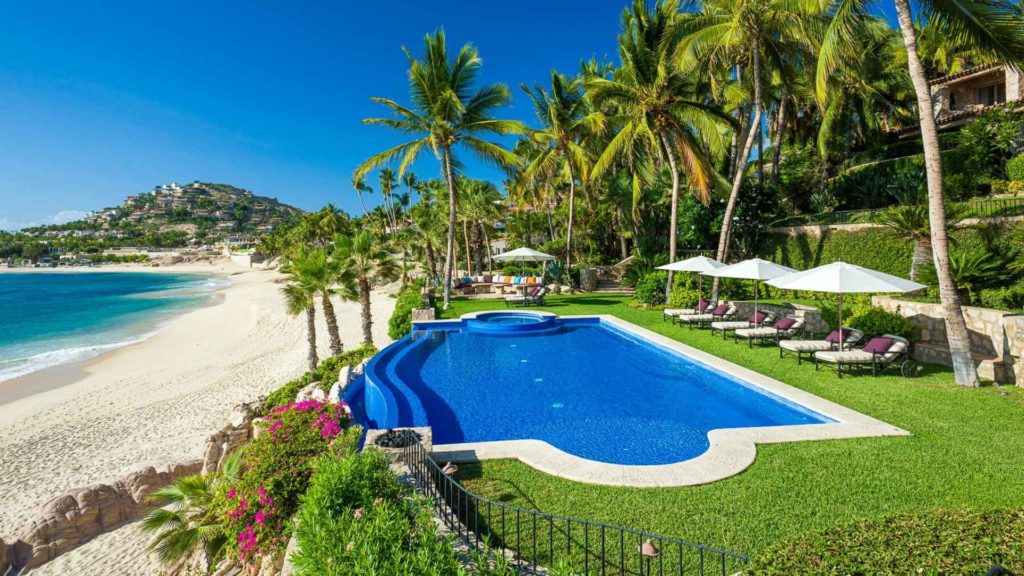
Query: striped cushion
point(805, 345)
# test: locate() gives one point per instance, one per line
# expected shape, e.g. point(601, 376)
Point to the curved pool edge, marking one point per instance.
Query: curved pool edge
point(730, 450)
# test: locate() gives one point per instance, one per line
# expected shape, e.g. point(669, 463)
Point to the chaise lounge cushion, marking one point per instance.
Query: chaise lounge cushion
point(805, 345)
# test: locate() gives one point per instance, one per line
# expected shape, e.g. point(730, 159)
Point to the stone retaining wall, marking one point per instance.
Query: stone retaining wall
point(997, 337)
point(812, 318)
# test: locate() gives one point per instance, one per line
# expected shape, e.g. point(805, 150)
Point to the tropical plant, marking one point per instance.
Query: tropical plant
point(299, 295)
point(319, 271)
point(363, 259)
point(911, 221)
point(987, 27)
point(970, 269)
point(446, 113)
point(661, 109)
point(183, 520)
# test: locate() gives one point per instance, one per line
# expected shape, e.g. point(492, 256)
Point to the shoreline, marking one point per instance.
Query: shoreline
point(154, 403)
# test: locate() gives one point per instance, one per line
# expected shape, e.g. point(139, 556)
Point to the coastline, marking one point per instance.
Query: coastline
point(153, 402)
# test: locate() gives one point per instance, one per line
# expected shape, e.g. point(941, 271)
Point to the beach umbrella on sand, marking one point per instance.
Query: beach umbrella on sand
point(695, 264)
point(840, 278)
point(753, 269)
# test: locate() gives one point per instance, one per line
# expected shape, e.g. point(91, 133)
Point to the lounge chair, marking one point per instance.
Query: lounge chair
point(809, 347)
point(879, 353)
point(756, 320)
point(783, 329)
point(673, 313)
point(721, 313)
point(534, 297)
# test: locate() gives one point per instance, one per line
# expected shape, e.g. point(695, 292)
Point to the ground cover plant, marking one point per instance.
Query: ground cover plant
point(965, 452)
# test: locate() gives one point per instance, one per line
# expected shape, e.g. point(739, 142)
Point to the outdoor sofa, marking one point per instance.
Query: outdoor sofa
point(879, 353)
point(783, 329)
point(498, 283)
point(808, 348)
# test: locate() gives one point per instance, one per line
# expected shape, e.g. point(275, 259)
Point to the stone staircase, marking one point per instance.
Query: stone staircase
point(609, 286)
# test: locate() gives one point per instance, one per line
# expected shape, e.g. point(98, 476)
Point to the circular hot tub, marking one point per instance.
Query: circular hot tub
point(511, 322)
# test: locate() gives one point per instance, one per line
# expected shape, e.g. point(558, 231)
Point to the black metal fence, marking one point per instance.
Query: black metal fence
point(980, 208)
point(541, 540)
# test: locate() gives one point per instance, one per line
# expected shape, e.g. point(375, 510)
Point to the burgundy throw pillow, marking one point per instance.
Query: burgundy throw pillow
point(784, 323)
point(879, 345)
point(534, 291)
point(722, 309)
point(757, 318)
point(834, 336)
point(487, 279)
point(703, 305)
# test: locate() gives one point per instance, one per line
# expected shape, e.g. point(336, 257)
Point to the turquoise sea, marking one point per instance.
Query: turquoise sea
point(51, 318)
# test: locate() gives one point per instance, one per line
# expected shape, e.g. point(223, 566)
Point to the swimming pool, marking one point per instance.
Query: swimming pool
point(596, 388)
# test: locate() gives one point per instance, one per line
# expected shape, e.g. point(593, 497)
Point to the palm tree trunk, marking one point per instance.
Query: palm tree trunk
point(780, 131)
point(922, 254)
point(332, 324)
point(964, 370)
point(360, 194)
point(741, 164)
point(478, 248)
point(568, 234)
point(311, 335)
point(487, 245)
point(449, 262)
point(431, 262)
point(674, 219)
point(465, 238)
point(364, 303)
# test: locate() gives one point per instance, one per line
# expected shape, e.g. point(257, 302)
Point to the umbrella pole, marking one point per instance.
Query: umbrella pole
point(842, 341)
point(756, 285)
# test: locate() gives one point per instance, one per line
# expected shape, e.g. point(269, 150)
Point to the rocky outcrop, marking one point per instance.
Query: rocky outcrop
point(82, 514)
point(312, 391)
point(231, 437)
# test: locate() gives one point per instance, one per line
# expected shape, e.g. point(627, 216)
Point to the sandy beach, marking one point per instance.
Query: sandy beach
point(152, 403)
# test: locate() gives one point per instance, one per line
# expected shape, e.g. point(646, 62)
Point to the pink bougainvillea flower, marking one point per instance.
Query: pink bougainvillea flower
point(231, 494)
point(261, 516)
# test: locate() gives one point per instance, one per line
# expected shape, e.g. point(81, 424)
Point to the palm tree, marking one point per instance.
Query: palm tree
point(568, 121)
point(359, 185)
point(911, 221)
point(730, 37)
point(362, 258)
point(316, 269)
point(183, 520)
point(299, 298)
point(446, 113)
point(989, 27)
point(663, 114)
point(387, 180)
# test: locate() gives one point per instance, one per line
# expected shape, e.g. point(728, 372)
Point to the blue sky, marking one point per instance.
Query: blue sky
point(101, 100)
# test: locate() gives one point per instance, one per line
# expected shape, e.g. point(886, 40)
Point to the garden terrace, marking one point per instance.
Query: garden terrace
point(965, 452)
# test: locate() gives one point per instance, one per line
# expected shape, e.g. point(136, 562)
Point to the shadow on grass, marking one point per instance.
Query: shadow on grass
point(504, 491)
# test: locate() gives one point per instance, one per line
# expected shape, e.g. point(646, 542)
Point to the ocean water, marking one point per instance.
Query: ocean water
point(52, 318)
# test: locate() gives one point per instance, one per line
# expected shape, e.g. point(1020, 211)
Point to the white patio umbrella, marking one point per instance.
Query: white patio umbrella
point(695, 264)
point(753, 269)
point(524, 255)
point(840, 278)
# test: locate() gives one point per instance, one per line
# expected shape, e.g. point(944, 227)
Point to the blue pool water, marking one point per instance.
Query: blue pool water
point(50, 318)
point(582, 385)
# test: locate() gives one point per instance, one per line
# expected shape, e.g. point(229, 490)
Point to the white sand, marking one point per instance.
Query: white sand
point(155, 403)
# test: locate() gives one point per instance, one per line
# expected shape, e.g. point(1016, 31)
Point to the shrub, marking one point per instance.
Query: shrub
point(276, 466)
point(1000, 187)
point(408, 300)
point(931, 542)
point(1003, 298)
point(877, 321)
point(682, 297)
point(650, 290)
point(354, 522)
point(326, 373)
point(1015, 168)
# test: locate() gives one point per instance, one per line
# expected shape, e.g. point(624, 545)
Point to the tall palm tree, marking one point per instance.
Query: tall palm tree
point(446, 113)
point(388, 181)
point(362, 259)
point(567, 121)
point(990, 27)
point(299, 298)
point(318, 270)
point(730, 38)
point(663, 114)
point(183, 521)
point(360, 186)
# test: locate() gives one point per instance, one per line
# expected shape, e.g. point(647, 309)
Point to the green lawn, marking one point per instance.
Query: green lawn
point(966, 451)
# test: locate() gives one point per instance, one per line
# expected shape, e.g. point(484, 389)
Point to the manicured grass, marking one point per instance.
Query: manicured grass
point(966, 451)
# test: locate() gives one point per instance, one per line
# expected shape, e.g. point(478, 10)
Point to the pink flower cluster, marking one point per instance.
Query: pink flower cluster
point(329, 421)
point(248, 538)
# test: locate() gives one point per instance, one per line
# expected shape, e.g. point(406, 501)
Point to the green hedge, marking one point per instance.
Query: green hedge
point(408, 300)
point(1015, 168)
point(326, 373)
point(933, 542)
point(872, 248)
